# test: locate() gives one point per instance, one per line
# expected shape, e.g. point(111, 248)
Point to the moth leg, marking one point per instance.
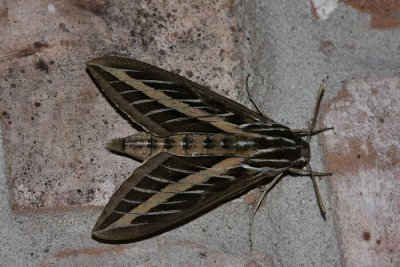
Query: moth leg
point(308, 173)
point(265, 190)
point(251, 98)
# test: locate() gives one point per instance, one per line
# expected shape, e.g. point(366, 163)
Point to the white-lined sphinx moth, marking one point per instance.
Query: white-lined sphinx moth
point(199, 149)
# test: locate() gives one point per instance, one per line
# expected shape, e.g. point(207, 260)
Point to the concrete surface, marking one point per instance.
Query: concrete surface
point(56, 174)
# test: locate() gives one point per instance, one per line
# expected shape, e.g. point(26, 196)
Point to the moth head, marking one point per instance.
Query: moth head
point(304, 154)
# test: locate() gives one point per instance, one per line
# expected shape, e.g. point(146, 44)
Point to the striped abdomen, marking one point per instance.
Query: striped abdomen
point(144, 145)
point(264, 147)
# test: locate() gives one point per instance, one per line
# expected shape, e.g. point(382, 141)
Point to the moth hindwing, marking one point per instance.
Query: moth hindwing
point(198, 148)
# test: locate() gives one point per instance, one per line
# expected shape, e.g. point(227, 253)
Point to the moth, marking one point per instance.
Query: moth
point(198, 149)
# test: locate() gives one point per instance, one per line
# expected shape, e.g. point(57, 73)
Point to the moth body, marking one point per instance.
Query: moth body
point(199, 149)
point(145, 145)
point(264, 147)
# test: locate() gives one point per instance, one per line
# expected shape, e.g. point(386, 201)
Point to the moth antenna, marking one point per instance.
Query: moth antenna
point(307, 173)
point(316, 109)
point(319, 198)
point(310, 131)
point(307, 132)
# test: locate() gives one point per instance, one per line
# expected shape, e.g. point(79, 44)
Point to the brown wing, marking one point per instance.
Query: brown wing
point(165, 103)
point(168, 191)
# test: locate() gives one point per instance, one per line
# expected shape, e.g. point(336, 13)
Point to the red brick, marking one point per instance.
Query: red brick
point(384, 13)
point(56, 122)
point(364, 154)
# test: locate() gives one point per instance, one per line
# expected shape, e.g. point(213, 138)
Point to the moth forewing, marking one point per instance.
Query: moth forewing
point(199, 149)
